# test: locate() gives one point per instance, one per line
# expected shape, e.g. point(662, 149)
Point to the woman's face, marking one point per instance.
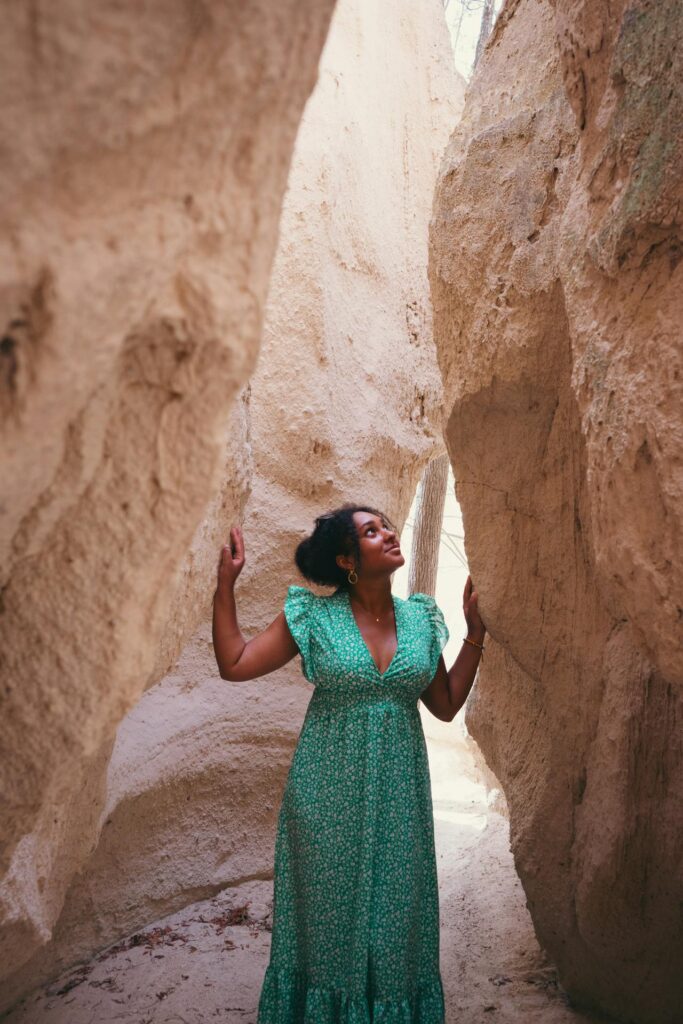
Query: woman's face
point(380, 551)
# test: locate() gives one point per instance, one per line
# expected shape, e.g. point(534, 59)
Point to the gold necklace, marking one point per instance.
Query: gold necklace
point(368, 613)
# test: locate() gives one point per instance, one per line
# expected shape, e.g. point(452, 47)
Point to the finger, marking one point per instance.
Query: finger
point(232, 545)
point(239, 546)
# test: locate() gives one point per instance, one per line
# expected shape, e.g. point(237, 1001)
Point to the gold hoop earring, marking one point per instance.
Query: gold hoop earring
point(355, 576)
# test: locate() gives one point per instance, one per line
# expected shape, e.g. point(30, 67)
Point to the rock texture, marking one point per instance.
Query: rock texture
point(145, 154)
point(557, 283)
point(345, 404)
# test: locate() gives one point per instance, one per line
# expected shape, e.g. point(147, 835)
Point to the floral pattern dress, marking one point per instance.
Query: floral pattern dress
point(356, 908)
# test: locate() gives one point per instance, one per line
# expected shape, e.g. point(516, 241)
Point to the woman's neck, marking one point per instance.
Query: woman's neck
point(373, 596)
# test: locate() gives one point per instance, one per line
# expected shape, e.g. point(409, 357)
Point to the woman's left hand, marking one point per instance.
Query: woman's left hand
point(476, 629)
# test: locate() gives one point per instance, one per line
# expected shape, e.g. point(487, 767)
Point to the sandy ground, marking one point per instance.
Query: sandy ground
point(206, 963)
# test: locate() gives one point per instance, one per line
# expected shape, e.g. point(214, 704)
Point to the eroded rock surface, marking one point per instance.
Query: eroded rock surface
point(145, 155)
point(345, 404)
point(557, 283)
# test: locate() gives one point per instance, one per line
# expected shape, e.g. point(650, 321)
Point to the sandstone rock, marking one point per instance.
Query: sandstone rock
point(345, 404)
point(556, 276)
point(145, 155)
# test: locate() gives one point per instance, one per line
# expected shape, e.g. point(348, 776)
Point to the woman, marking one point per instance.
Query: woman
point(356, 912)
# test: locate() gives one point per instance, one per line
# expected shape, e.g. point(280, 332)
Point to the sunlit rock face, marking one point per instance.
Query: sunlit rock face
point(345, 404)
point(145, 155)
point(557, 283)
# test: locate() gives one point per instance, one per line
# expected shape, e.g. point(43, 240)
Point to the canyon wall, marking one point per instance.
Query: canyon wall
point(556, 274)
point(145, 155)
point(345, 404)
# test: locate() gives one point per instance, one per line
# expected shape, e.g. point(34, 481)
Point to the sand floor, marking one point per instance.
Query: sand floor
point(206, 962)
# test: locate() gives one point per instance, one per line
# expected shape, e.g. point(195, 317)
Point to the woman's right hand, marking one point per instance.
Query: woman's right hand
point(232, 560)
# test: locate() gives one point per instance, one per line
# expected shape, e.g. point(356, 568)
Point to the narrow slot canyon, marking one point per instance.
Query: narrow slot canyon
point(260, 260)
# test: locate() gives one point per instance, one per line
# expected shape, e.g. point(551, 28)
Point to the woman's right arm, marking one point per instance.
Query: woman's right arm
point(238, 659)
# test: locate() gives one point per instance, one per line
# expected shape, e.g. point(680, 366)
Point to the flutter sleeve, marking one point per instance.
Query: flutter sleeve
point(437, 627)
point(299, 612)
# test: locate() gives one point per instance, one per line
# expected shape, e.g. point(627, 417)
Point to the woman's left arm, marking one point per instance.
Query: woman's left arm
point(449, 689)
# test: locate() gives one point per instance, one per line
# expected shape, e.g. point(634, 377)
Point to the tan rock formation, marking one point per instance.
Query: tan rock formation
point(345, 404)
point(557, 282)
point(145, 155)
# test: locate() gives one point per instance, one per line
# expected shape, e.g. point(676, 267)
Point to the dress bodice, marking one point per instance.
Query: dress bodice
point(336, 658)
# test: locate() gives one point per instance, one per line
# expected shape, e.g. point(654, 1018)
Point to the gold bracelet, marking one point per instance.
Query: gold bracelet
point(467, 640)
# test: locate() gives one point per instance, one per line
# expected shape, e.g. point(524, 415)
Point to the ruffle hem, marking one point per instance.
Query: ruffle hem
point(287, 998)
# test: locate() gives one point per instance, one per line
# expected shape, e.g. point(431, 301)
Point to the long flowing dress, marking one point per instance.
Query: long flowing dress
point(355, 935)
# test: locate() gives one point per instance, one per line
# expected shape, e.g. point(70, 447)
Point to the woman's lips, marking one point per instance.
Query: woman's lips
point(394, 547)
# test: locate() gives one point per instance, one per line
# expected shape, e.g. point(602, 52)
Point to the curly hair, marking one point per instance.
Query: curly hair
point(335, 534)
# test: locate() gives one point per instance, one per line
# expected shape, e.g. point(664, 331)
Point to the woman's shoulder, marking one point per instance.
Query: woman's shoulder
point(428, 608)
point(421, 600)
point(302, 597)
point(299, 597)
point(296, 591)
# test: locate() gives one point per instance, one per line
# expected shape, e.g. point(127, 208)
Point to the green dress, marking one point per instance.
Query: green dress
point(356, 907)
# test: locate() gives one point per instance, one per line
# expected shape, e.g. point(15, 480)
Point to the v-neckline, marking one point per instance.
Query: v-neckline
point(381, 675)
